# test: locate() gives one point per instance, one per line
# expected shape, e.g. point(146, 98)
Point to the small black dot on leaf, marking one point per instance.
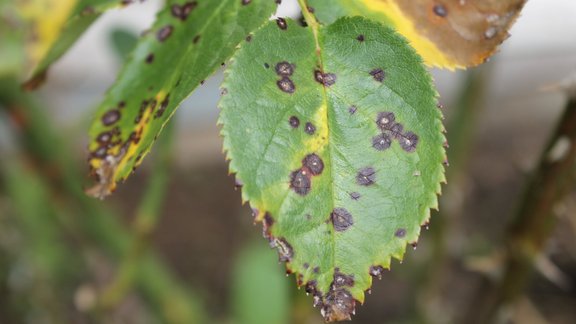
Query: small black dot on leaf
point(366, 176)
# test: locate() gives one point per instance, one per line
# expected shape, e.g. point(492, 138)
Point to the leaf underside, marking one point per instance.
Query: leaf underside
point(448, 34)
point(337, 141)
point(189, 42)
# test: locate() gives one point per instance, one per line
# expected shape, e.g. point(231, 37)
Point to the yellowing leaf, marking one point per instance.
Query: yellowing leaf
point(448, 34)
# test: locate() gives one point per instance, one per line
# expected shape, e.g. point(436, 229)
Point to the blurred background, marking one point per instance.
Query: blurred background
point(175, 245)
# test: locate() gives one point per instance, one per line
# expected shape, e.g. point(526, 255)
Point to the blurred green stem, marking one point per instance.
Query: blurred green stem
point(535, 220)
point(144, 224)
point(166, 295)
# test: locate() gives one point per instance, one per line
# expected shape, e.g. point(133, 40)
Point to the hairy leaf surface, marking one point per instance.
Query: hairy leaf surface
point(188, 42)
point(335, 136)
point(54, 26)
point(447, 34)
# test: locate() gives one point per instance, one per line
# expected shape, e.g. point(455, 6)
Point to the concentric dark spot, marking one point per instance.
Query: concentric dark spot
point(286, 85)
point(284, 69)
point(294, 122)
point(381, 142)
point(314, 163)
point(300, 182)
point(341, 219)
point(366, 176)
point(309, 128)
point(409, 141)
point(385, 120)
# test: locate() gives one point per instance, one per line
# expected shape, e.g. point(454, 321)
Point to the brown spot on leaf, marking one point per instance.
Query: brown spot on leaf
point(378, 74)
point(286, 85)
point(314, 163)
point(440, 10)
point(164, 33)
point(341, 219)
point(182, 11)
point(352, 110)
point(385, 120)
point(341, 279)
point(196, 39)
point(104, 138)
point(338, 306)
point(300, 182)
point(360, 38)
point(401, 232)
point(162, 108)
point(281, 22)
point(376, 271)
point(381, 142)
point(294, 122)
point(409, 141)
point(246, 2)
point(285, 251)
point(110, 117)
point(355, 195)
point(326, 79)
point(309, 128)
point(284, 69)
point(267, 223)
point(150, 58)
point(366, 176)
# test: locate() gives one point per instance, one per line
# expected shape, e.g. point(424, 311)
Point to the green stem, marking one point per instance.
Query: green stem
point(144, 225)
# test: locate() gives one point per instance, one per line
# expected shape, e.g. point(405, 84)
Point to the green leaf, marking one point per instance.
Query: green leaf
point(188, 42)
point(56, 25)
point(335, 135)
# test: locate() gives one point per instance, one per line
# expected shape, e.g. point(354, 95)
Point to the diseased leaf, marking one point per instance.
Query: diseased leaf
point(338, 143)
point(447, 34)
point(188, 42)
point(54, 26)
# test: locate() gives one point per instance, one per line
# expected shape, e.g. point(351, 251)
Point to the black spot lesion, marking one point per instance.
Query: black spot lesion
point(164, 33)
point(341, 219)
point(381, 142)
point(314, 163)
point(182, 11)
point(390, 129)
point(378, 74)
point(301, 179)
point(400, 233)
point(440, 10)
point(309, 128)
point(326, 79)
point(366, 176)
point(294, 121)
point(281, 22)
point(342, 280)
point(285, 71)
point(286, 85)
